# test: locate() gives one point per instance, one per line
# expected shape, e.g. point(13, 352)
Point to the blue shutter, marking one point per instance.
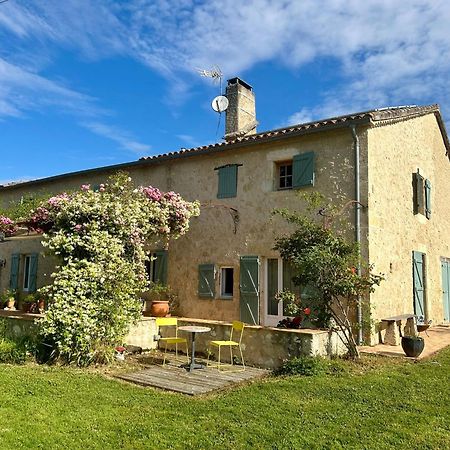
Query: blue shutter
point(14, 276)
point(445, 268)
point(303, 170)
point(160, 264)
point(206, 281)
point(418, 284)
point(33, 271)
point(427, 199)
point(249, 289)
point(227, 181)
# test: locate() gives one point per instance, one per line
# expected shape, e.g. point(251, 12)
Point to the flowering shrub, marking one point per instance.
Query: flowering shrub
point(99, 238)
point(7, 226)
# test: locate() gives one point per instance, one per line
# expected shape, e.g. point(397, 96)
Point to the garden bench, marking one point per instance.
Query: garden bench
point(393, 326)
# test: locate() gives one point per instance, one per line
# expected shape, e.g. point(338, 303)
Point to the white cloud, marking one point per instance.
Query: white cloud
point(385, 52)
point(121, 137)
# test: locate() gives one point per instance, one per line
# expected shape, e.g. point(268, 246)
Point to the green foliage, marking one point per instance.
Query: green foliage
point(322, 257)
point(100, 238)
point(303, 365)
point(19, 210)
point(11, 352)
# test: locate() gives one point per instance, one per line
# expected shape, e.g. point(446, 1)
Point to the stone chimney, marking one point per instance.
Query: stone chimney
point(240, 114)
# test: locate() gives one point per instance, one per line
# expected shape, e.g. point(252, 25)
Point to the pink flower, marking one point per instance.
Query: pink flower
point(85, 187)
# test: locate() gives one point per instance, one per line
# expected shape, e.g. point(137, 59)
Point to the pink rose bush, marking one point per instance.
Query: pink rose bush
point(7, 226)
point(100, 238)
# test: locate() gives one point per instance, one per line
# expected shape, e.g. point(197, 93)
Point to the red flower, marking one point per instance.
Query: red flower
point(307, 311)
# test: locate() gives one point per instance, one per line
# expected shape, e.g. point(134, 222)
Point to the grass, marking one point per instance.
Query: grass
point(381, 403)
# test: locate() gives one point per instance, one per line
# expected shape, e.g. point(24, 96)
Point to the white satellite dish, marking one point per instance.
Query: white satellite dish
point(220, 104)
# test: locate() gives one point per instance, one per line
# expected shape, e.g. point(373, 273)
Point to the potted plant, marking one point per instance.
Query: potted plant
point(28, 303)
point(157, 298)
point(413, 345)
point(9, 299)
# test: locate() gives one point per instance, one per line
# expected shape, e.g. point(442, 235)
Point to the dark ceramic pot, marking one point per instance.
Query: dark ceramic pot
point(412, 346)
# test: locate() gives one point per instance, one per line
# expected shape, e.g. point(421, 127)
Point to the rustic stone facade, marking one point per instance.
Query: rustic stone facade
point(242, 225)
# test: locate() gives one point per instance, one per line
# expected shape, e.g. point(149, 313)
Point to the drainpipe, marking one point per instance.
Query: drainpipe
point(358, 224)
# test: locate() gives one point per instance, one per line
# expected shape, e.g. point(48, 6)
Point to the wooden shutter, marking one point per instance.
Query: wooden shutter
point(33, 272)
point(227, 181)
point(206, 281)
point(14, 276)
point(303, 170)
point(418, 283)
point(427, 199)
point(249, 289)
point(445, 269)
point(160, 264)
point(418, 193)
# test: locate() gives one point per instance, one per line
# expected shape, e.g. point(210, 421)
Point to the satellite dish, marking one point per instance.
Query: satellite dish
point(220, 104)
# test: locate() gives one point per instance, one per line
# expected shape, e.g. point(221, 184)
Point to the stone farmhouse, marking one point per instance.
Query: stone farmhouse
point(393, 163)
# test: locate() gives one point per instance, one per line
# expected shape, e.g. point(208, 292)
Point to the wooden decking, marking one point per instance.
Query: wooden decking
point(172, 377)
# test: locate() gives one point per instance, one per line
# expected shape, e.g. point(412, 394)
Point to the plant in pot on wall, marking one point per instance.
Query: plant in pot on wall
point(157, 296)
point(9, 299)
point(29, 303)
point(413, 345)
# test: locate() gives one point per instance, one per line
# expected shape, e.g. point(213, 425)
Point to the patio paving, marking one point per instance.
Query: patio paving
point(437, 339)
point(172, 377)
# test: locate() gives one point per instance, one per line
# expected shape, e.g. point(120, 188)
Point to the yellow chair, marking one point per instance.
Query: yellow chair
point(171, 322)
point(237, 327)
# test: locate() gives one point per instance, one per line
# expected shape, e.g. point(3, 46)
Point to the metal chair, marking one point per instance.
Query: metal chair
point(171, 322)
point(422, 326)
point(237, 327)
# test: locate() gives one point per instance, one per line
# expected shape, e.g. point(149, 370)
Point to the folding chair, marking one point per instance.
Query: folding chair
point(237, 327)
point(171, 322)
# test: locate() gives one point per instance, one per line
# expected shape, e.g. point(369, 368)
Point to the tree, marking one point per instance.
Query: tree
point(323, 258)
point(100, 237)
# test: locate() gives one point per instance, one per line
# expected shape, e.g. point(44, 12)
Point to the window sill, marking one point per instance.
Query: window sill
point(226, 297)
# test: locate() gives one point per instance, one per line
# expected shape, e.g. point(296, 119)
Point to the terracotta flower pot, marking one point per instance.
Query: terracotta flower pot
point(10, 303)
point(159, 308)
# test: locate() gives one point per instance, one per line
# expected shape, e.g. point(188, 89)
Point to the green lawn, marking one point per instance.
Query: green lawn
point(380, 404)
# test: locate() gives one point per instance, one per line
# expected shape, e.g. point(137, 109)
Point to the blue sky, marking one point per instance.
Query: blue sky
point(92, 83)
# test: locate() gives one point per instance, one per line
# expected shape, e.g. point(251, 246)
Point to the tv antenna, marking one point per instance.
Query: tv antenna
point(219, 103)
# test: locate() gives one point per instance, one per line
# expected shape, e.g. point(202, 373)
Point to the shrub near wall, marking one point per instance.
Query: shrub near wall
point(100, 238)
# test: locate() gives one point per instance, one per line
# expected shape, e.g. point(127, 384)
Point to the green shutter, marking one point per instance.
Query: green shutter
point(418, 193)
point(14, 276)
point(303, 170)
point(249, 289)
point(427, 199)
point(160, 264)
point(445, 268)
point(33, 271)
point(206, 281)
point(227, 181)
point(418, 284)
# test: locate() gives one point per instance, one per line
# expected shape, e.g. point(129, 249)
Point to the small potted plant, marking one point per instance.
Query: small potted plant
point(28, 303)
point(157, 298)
point(413, 345)
point(9, 299)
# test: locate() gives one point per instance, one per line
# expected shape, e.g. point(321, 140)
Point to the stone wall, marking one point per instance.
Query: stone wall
point(396, 152)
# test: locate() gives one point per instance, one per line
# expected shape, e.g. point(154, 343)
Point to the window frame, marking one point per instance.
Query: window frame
point(223, 283)
point(285, 163)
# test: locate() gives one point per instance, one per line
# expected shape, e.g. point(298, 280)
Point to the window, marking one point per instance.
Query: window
point(156, 267)
point(26, 273)
point(226, 282)
point(227, 181)
point(421, 195)
point(23, 272)
point(297, 173)
point(284, 175)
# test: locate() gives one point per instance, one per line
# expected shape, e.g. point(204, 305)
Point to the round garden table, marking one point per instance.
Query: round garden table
point(193, 329)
